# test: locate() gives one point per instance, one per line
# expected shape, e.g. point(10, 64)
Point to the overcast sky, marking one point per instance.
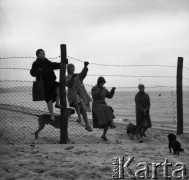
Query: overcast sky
point(118, 32)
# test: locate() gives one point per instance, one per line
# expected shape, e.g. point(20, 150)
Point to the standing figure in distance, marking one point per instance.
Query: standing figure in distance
point(142, 102)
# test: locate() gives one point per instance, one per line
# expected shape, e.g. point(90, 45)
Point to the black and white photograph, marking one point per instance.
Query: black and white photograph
point(94, 89)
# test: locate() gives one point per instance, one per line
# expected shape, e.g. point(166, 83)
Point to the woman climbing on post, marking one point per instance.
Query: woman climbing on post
point(42, 69)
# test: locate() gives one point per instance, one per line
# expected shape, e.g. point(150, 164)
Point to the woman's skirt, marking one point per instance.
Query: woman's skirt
point(102, 115)
point(50, 90)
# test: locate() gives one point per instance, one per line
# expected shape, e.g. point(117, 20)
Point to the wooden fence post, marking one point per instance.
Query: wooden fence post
point(179, 96)
point(64, 119)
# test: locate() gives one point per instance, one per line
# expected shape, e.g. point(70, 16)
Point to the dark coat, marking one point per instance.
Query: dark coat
point(142, 102)
point(47, 75)
point(102, 113)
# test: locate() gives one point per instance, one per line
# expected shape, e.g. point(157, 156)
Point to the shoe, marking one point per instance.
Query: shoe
point(112, 125)
point(104, 138)
point(36, 135)
point(58, 106)
point(89, 129)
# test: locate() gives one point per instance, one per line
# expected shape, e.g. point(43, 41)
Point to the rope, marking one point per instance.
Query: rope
point(25, 69)
point(156, 86)
point(25, 57)
point(114, 65)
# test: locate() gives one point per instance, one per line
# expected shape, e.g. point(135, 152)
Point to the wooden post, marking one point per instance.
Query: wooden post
point(64, 119)
point(179, 96)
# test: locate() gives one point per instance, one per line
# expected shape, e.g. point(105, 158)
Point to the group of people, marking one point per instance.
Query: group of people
point(78, 98)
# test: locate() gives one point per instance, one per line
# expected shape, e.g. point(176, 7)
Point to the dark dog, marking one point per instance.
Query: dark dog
point(174, 144)
point(46, 119)
point(134, 131)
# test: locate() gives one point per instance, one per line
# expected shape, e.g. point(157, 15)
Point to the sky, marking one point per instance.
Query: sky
point(117, 32)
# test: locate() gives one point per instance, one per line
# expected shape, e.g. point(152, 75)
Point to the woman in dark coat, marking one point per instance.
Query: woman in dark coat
point(42, 69)
point(102, 113)
point(142, 101)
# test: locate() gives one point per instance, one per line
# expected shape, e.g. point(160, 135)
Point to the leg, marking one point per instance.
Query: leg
point(58, 95)
point(143, 133)
point(169, 147)
point(57, 105)
point(77, 108)
point(104, 132)
point(50, 108)
point(84, 114)
point(41, 126)
point(140, 133)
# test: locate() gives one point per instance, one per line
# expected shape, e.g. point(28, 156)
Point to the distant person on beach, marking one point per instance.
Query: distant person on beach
point(102, 114)
point(142, 102)
point(77, 94)
point(42, 69)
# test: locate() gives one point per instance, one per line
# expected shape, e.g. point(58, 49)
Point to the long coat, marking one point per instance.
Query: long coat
point(102, 114)
point(47, 75)
point(77, 93)
point(142, 102)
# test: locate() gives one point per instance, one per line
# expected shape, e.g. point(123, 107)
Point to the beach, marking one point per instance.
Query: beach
point(86, 156)
point(86, 161)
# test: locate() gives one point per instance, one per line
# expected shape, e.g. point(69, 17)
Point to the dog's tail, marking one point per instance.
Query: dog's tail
point(37, 115)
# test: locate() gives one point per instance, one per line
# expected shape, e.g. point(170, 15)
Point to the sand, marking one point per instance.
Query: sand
point(82, 161)
point(86, 157)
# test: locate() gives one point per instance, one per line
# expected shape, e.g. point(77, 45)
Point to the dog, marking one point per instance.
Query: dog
point(46, 119)
point(174, 144)
point(134, 131)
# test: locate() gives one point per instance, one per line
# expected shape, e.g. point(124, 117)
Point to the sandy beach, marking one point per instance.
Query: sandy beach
point(83, 161)
point(86, 157)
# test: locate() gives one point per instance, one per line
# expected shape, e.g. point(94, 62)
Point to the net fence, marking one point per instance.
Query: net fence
point(18, 111)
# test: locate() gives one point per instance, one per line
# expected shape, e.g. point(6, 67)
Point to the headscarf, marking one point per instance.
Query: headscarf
point(141, 85)
point(38, 51)
point(101, 80)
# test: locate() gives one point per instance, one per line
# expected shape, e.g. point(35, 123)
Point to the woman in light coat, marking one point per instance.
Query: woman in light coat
point(77, 94)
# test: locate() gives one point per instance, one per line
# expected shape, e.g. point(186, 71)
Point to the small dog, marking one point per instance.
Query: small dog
point(134, 131)
point(46, 119)
point(174, 144)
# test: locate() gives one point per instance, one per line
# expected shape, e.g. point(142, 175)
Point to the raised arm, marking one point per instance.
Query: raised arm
point(84, 71)
point(111, 93)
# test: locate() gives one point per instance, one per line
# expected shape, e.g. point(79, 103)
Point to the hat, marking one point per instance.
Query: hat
point(141, 85)
point(101, 80)
point(38, 51)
